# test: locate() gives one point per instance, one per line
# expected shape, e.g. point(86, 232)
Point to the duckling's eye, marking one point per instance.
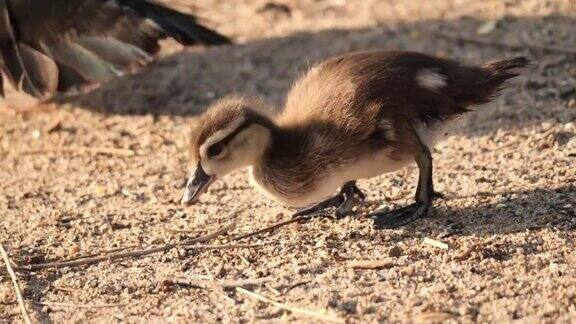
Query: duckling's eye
point(215, 150)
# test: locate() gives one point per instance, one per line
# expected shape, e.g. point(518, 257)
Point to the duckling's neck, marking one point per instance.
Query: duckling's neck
point(288, 169)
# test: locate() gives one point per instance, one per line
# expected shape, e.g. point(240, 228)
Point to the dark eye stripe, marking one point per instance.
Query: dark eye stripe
point(230, 136)
point(250, 120)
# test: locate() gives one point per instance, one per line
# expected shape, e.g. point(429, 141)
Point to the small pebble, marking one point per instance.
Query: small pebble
point(547, 125)
point(73, 249)
point(395, 251)
point(36, 134)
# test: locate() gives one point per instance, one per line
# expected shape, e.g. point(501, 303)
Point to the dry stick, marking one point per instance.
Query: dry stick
point(297, 284)
point(224, 284)
point(51, 304)
point(519, 47)
point(272, 227)
point(135, 254)
point(188, 247)
point(17, 290)
point(292, 309)
point(370, 264)
point(92, 150)
point(99, 253)
point(226, 246)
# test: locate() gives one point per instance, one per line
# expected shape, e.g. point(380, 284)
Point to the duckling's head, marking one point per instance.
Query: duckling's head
point(233, 133)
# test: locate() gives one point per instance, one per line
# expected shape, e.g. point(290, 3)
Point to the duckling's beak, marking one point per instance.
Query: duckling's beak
point(196, 186)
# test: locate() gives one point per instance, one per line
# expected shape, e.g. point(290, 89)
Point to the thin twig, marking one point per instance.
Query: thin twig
point(133, 254)
point(69, 305)
point(272, 227)
point(370, 264)
point(66, 289)
point(296, 284)
point(17, 290)
point(91, 150)
point(225, 284)
point(226, 246)
point(292, 309)
point(99, 253)
point(514, 47)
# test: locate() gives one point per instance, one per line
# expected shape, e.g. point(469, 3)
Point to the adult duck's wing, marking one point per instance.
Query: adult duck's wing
point(53, 45)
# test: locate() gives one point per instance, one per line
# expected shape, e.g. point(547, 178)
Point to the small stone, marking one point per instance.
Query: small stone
point(547, 125)
point(395, 251)
point(73, 249)
point(36, 134)
point(571, 103)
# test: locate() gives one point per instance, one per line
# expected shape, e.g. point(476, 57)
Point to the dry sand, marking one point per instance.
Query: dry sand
point(508, 172)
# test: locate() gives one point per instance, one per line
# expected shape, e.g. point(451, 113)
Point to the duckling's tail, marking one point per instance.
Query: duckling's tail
point(499, 71)
point(496, 73)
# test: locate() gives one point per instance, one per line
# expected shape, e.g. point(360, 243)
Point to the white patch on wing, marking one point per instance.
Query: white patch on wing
point(431, 79)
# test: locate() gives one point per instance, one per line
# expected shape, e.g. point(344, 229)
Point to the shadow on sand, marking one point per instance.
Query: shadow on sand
point(183, 84)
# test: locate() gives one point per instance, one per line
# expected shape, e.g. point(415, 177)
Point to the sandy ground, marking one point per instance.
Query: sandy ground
point(508, 172)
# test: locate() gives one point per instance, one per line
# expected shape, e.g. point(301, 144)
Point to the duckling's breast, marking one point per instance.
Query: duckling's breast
point(325, 183)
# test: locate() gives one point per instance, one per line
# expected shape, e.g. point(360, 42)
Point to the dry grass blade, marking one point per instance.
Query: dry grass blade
point(272, 227)
point(80, 150)
point(435, 243)
point(296, 310)
point(69, 305)
point(129, 254)
point(17, 290)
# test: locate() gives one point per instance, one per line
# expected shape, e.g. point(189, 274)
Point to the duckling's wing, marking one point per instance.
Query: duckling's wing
point(327, 95)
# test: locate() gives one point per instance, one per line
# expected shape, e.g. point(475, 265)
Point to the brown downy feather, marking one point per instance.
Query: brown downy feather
point(355, 104)
point(500, 71)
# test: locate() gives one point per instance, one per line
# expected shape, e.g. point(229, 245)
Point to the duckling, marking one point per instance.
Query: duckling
point(350, 117)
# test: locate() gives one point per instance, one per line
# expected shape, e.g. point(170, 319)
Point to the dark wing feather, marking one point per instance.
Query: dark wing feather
point(89, 40)
point(18, 65)
point(42, 70)
point(182, 27)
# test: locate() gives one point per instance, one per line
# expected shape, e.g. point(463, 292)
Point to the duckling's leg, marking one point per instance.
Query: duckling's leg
point(343, 201)
point(424, 196)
